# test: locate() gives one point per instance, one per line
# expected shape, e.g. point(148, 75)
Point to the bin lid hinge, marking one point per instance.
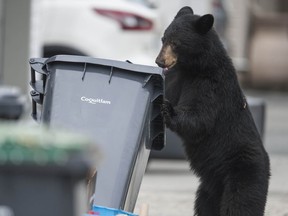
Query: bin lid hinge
point(146, 80)
point(111, 73)
point(84, 71)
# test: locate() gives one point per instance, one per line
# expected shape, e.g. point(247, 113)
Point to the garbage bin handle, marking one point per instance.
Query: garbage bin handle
point(38, 65)
point(34, 95)
point(37, 94)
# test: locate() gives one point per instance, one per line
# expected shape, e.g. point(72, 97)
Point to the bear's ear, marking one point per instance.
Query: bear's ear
point(204, 23)
point(183, 11)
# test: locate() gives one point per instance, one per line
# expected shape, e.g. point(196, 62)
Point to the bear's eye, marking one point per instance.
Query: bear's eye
point(163, 39)
point(173, 43)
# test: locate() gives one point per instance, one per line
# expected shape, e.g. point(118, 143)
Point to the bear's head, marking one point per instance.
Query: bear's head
point(185, 40)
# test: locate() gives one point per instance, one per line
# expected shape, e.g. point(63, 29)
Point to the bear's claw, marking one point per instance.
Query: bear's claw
point(167, 111)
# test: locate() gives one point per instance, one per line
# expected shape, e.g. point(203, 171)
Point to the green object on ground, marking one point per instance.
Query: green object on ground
point(39, 145)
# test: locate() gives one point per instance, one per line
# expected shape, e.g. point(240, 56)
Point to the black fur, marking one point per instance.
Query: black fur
point(207, 109)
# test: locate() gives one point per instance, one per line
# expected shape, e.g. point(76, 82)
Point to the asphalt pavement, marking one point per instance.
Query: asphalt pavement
point(169, 187)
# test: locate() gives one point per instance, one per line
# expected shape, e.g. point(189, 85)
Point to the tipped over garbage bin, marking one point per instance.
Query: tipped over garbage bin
point(115, 103)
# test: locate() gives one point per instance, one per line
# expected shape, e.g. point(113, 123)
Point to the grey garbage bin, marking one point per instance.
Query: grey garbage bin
point(115, 103)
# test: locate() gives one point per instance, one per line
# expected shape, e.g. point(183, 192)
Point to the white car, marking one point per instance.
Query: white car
point(113, 29)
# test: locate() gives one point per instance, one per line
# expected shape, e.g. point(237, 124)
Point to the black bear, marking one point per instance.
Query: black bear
point(205, 106)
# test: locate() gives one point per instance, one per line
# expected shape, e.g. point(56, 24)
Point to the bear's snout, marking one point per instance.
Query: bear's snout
point(160, 61)
point(166, 58)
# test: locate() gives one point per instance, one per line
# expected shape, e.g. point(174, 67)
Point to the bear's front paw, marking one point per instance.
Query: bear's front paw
point(168, 112)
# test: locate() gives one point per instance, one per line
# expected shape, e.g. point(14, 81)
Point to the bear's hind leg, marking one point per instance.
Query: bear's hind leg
point(208, 200)
point(244, 198)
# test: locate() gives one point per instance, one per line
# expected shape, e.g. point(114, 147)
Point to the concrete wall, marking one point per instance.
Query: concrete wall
point(15, 33)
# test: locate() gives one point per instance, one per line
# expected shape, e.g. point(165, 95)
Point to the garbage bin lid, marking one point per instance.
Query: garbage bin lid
point(39, 63)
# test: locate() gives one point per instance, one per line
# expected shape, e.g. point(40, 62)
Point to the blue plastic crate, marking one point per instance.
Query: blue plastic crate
point(105, 211)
